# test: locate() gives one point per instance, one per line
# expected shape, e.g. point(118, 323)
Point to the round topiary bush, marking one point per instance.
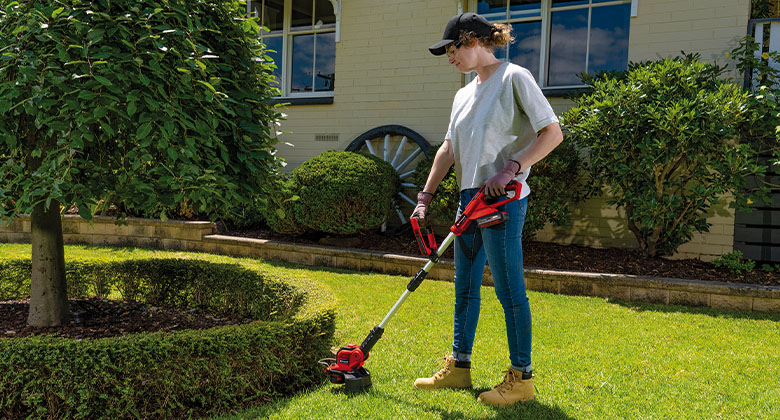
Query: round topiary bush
point(190, 373)
point(343, 192)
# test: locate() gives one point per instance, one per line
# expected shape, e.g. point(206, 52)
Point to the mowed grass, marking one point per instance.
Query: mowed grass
point(593, 358)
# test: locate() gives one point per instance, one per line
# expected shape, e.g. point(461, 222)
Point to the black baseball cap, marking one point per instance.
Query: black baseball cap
point(464, 22)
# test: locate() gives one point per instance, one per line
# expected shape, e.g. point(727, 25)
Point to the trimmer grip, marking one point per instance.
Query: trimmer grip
point(513, 186)
point(425, 238)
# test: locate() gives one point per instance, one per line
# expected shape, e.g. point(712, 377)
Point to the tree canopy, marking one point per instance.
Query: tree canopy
point(145, 103)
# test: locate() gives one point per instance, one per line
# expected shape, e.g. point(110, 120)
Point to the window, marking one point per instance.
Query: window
point(559, 39)
point(301, 40)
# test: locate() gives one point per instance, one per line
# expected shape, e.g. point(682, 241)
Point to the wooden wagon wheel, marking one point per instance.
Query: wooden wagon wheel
point(403, 148)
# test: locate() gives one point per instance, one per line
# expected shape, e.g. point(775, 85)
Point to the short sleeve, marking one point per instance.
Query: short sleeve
point(531, 100)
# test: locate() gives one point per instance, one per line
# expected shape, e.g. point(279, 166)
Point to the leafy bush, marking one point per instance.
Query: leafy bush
point(181, 374)
point(663, 141)
point(762, 131)
point(343, 192)
point(556, 184)
point(279, 214)
point(735, 263)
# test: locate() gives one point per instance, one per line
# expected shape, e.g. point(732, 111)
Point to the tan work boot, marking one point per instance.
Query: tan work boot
point(513, 389)
point(448, 376)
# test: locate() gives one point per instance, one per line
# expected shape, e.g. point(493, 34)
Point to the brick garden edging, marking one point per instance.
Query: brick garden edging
point(202, 236)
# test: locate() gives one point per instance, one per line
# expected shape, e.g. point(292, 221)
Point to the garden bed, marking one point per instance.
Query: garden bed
point(544, 255)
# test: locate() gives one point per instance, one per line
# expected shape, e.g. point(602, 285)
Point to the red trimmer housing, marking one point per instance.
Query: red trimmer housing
point(348, 369)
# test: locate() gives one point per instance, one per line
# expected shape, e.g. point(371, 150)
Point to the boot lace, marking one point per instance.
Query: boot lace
point(444, 366)
point(510, 378)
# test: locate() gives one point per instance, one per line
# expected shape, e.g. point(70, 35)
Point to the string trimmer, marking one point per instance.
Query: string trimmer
point(347, 367)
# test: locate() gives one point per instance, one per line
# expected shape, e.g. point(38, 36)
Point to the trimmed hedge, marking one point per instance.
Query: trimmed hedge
point(181, 374)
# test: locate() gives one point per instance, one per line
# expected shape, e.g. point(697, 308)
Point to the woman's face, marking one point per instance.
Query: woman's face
point(465, 58)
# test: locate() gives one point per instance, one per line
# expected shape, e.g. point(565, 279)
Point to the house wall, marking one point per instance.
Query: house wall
point(385, 75)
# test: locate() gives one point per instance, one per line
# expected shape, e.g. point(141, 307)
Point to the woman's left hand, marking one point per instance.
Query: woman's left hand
point(496, 186)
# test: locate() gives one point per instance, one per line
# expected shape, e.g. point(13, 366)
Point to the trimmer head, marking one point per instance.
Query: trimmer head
point(347, 368)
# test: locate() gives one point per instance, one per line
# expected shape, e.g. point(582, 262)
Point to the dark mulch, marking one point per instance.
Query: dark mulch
point(544, 255)
point(107, 318)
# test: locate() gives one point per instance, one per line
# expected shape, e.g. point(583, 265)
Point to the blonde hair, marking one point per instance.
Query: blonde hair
point(500, 35)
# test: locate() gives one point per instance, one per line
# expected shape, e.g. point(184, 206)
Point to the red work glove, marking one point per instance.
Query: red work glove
point(496, 186)
point(421, 210)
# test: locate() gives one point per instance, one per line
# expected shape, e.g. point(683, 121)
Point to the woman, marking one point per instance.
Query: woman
point(500, 125)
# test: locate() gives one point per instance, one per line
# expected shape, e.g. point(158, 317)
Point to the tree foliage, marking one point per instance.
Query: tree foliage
point(142, 103)
point(663, 140)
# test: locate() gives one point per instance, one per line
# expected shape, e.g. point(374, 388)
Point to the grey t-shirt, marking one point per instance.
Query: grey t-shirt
point(492, 121)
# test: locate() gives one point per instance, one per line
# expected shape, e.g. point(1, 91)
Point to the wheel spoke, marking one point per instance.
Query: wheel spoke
point(408, 185)
point(398, 211)
point(404, 175)
point(408, 159)
point(370, 147)
point(398, 152)
point(408, 200)
point(386, 154)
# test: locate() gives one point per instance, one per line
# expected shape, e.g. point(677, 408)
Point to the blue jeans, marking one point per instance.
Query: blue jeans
point(501, 246)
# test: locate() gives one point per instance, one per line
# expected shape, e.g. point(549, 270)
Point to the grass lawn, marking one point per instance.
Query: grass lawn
point(593, 359)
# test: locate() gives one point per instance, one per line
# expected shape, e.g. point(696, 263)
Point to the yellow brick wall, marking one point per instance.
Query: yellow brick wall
point(384, 75)
point(663, 28)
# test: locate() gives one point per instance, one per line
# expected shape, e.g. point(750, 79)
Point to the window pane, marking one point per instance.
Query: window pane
point(557, 3)
point(568, 39)
point(302, 14)
point(302, 63)
point(325, 62)
point(272, 14)
point(526, 49)
point(520, 8)
point(609, 38)
point(273, 49)
point(324, 17)
point(492, 9)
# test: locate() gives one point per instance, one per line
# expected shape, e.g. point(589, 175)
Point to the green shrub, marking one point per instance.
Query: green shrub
point(181, 374)
point(343, 192)
point(735, 263)
point(556, 182)
point(279, 214)
point(663, 142)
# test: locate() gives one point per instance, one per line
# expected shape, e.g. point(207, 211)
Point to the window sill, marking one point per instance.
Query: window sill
point(309, 100)
point(564, 92)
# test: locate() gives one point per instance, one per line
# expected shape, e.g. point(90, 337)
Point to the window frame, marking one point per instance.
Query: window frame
point(545, 17)
point(287, 34)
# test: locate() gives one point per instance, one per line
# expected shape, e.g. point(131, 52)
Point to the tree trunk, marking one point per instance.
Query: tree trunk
point(48, 295)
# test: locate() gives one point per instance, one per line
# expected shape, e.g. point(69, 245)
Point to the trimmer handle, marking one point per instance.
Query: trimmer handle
point(425, 238)
point(479, 208)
